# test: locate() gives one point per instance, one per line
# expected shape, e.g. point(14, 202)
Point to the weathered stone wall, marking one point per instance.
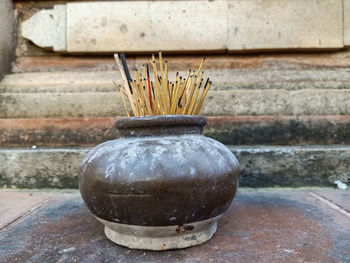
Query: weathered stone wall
point(346, 7)
point(144, 26)
point(6, 35)
point(256, 50)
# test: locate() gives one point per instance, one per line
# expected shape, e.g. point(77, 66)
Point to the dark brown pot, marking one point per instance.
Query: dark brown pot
point(160, 183)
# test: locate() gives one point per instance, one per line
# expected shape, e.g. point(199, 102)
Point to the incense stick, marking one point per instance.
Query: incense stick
point(126, 84)
point(126, 69)
point(161, 96)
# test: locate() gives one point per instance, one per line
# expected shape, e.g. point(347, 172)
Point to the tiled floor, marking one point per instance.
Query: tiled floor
point(262, 225)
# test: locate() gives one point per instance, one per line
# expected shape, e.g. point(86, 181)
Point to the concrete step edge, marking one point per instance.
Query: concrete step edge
point(102, 81)
point(237, 130)
point(218, 102)
point(261, 166)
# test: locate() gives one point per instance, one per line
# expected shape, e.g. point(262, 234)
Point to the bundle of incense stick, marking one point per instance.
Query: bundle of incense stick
point(158, 95)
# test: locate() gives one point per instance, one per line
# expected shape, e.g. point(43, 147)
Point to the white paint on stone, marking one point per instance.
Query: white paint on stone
point(146, 26)
point(278, 24)
point(47, 28)
point(346, 22)
point(190, 25)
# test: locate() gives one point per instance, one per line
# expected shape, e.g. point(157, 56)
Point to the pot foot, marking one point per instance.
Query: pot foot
point(162, 237)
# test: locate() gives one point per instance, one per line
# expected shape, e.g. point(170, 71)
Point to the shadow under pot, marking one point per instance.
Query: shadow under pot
point(162, 185)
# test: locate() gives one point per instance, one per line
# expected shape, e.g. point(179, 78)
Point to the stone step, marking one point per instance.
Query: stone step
point(235, 92)
point(226, 103)
point(234, 130)
point(261, 166)
point(308, 62)
point(223, 79)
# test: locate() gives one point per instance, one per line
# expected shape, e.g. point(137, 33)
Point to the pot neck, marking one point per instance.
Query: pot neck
point(165, 125)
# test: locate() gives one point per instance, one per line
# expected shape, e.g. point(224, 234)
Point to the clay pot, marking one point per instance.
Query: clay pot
point(162, 185)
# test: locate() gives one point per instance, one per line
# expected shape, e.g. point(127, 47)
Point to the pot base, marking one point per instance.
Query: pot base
point(160, 237)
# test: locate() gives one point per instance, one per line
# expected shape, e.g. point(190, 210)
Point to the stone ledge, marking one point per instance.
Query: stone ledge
point(261, 166)
point(267, 61)
point(346, 7)
point(284, 24)
point(223, 79)
point(218, 102)
point(235, 130)
point(232, 25)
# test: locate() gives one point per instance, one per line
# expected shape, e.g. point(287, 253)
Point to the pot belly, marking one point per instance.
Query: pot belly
point(164, 181)
point(162, 203)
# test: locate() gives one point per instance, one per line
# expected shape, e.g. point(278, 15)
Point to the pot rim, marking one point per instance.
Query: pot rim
point(161, 120)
